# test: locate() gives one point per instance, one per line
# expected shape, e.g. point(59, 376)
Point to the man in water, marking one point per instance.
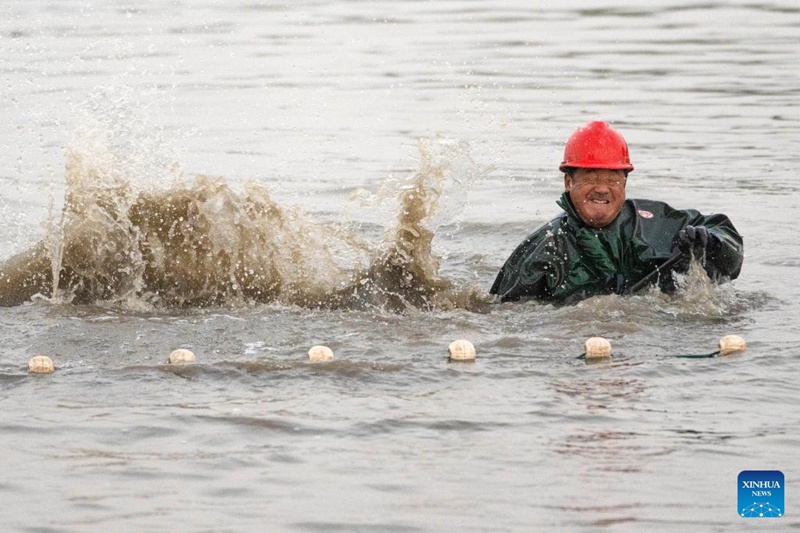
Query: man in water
point(605, 244)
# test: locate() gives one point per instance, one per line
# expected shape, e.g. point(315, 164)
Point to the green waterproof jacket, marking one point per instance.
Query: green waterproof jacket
point(566, 261)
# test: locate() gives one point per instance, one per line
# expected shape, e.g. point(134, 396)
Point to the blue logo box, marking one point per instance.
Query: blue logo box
point(761, 494)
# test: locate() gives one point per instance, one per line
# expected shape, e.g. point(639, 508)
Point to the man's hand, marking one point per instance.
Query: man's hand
point(696, 240)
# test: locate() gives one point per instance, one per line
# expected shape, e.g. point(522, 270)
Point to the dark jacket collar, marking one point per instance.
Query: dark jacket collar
point(565, 203)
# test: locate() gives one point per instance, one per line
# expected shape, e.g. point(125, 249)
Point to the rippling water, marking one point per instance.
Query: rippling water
point(321, 118)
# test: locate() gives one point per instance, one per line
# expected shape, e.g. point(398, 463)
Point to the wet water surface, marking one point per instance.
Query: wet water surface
point(248, 180)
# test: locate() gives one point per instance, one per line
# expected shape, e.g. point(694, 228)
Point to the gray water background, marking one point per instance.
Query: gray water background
point(323, 100)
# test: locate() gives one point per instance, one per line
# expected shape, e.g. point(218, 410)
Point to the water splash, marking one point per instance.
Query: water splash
point(406, 273)
point(132, 233)
point(696, 300)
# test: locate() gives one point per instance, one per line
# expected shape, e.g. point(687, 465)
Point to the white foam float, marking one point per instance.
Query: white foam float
point(41, 364)
point(461, 350)
point(597, 348)
point(320, 353)
point(181, 356)
point(730, 344)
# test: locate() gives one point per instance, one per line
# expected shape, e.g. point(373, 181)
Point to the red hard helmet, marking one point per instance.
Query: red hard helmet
point(596, 145)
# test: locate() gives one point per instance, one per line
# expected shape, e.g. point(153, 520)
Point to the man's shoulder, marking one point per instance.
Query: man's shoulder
point(548, 228)
point(545, 233)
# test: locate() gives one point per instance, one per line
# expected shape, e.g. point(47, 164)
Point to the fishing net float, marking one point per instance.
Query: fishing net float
point(181, 356)
point(41, 364)
point(320, 353)
point(597, 348)
point(461, 350)
point(730, 344)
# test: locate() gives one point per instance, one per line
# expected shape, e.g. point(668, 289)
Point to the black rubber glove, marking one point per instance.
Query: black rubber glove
point(697, 240)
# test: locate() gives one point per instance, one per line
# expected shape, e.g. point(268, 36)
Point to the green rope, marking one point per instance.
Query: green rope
point(698, 356)
point(682, 356)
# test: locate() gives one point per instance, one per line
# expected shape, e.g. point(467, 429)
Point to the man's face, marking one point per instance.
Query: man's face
point(597, 194)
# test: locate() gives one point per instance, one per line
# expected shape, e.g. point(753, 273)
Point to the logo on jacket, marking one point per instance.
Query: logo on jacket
point(645, 214)
point(761, 494)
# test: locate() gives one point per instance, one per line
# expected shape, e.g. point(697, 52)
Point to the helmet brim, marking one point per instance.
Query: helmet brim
point(564, 166)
